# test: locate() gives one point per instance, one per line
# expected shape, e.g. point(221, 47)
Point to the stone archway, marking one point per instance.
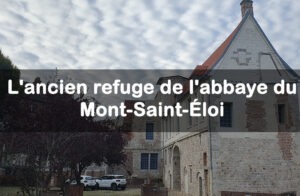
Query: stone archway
point(176, 169)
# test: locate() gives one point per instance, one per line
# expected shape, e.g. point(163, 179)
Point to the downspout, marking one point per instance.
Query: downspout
point(162, 144)
point(210, 148)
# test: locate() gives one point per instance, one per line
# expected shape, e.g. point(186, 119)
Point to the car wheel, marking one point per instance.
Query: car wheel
point(114, 187)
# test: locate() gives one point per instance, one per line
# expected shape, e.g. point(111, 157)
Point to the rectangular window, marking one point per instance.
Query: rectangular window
point(144, 161)
point(190, 120)
point(149, 131)
point(226, 120)
point(205, 159)
point(153, 160)
point(149, 159)
point(281, 113)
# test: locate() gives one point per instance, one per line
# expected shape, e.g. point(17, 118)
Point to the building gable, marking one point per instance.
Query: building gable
point(247, 47)
point(250, 49)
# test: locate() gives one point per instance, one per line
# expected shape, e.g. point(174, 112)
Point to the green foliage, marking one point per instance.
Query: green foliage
point(7, 71)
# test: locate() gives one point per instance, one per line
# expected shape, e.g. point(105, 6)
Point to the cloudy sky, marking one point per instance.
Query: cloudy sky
point(135, 33)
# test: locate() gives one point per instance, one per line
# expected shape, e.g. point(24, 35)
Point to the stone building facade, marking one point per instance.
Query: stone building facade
point(143, 148)
point(255, 149)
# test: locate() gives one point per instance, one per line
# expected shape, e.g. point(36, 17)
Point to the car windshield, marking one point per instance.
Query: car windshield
point(120, 177)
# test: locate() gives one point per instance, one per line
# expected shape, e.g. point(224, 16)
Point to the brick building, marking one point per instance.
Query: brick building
point(254, 148)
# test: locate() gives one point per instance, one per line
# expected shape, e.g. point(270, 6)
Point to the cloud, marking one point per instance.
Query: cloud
point(133, 34)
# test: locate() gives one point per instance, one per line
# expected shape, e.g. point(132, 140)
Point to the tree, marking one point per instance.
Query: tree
point(48, 129)
point(7, 71)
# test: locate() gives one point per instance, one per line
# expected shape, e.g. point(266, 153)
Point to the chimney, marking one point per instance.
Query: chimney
point(247, 5)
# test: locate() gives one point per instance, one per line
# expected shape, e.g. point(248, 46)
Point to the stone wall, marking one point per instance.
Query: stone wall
point(137, 144)
point(257, 154)
point(250, 163)
point(194, 163)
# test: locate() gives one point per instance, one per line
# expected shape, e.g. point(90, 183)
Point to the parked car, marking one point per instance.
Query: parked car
point(113, 182)
point(87, 181)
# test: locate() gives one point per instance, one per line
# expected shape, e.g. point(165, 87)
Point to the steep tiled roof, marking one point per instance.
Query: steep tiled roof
point(202, 70)
point(214, 58)
point(216, 55)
